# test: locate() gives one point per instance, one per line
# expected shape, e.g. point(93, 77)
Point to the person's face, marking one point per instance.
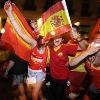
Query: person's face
point(57, 41)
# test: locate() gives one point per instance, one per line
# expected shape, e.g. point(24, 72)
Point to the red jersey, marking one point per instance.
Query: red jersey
point(95, 75)
point(59, 59)
point(37, 60)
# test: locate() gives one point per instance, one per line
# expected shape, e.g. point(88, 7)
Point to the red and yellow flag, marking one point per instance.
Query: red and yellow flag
point(55, 21)
point(21, 48)
point(95, 29)
point(22, 21)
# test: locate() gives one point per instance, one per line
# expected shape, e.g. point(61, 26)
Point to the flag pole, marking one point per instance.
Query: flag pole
point(74, 31)
point(66, 11)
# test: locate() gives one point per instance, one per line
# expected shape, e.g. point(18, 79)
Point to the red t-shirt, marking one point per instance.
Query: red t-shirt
point(59, 59)
point(95, 75)
point(37, 60)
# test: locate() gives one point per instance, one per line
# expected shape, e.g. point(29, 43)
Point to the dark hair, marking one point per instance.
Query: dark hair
point(64, 36)
point(39, 41)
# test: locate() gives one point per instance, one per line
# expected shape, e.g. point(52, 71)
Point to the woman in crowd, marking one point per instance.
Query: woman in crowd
point(38, 57)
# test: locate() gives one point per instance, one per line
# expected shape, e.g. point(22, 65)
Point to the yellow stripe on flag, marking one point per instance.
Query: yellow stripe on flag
point(49, 26)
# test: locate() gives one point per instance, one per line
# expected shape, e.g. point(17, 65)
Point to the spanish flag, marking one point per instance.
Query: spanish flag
point(20, 47)
point(95, 30)
point(55, 21)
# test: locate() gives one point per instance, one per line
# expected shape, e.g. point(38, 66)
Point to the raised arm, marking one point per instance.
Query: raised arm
point(92, 49)
point(8, 9)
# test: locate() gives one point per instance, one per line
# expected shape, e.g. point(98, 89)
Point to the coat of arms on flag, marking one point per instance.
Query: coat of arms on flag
point(55, 21)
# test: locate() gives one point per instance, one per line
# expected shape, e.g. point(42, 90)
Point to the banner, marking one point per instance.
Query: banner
point(21, 48)
point(55, 21)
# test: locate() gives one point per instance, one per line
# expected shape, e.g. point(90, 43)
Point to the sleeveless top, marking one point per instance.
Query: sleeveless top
point(37, 60)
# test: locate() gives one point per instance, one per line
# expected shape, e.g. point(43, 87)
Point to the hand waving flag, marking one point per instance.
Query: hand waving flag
point(21, 48)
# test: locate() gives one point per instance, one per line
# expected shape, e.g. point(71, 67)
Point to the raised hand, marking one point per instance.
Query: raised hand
point(8, 6)
point(34, 25)
point(75, 35)
point(92, 49)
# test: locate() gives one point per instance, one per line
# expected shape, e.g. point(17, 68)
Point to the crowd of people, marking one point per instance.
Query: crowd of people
point(65, 57)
